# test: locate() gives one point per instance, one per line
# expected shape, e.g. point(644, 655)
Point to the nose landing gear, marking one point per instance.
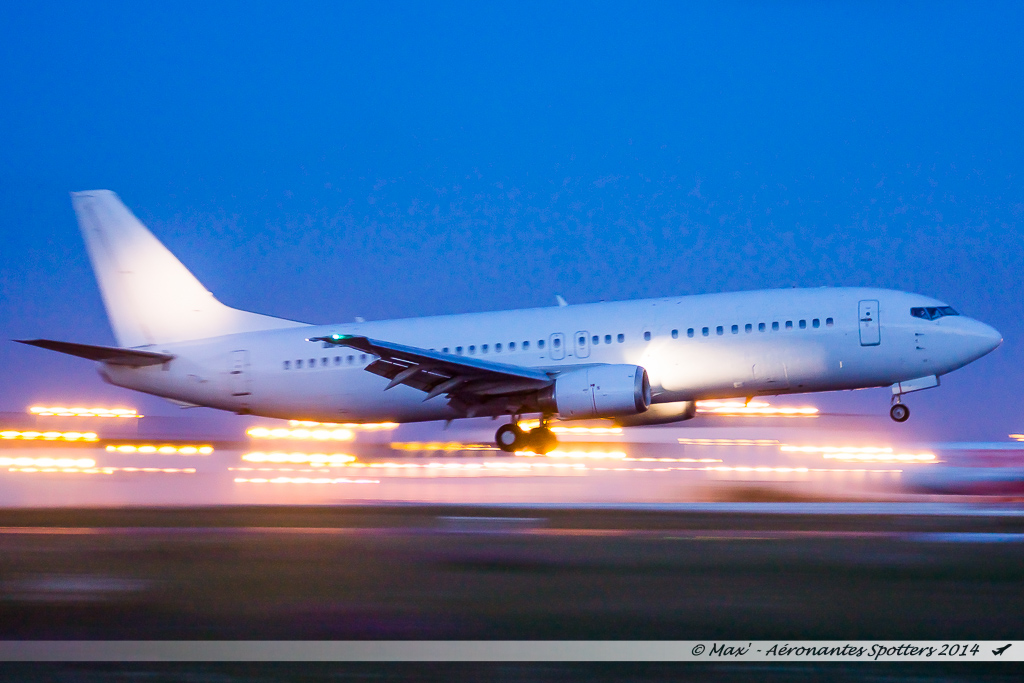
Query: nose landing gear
point(899, 412)
point(511, 438)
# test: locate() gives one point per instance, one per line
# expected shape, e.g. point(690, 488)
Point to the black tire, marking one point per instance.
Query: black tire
point(899, 412)
point(510, 438)
point(542, 440)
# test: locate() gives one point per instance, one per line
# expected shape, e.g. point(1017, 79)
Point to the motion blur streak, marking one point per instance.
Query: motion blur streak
point(299, 458)
point(306, 434)
point(754, 409)
point(728, 442)
point(361, 426)
point(162, 450)
point(47, 462)
point(83, 412)
point(48, 436)
point(304, 480)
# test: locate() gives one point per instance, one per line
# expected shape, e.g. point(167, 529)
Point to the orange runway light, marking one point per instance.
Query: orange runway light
point(440, 446)
point(161, 450)
point(59, 411)
point(48, 436)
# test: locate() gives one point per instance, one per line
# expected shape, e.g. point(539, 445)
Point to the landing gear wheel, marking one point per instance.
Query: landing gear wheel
point(899, 412)
point(542, 440)
point(510, 437)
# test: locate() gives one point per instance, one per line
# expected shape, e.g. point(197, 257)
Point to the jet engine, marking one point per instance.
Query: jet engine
point(600, 391)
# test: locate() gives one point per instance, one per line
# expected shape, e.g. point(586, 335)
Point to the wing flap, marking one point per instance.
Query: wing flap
point(466, 381)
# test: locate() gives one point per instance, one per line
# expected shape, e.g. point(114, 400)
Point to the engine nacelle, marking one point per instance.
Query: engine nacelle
point(601, 391)
point(660, 414)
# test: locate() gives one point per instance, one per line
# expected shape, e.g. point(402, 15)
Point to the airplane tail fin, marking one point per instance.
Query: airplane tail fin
point(150, 297)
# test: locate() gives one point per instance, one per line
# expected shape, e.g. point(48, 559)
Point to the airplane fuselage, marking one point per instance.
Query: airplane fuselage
point(740, 344)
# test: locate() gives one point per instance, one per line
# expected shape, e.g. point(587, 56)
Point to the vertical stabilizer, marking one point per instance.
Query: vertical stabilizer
point(151, 298)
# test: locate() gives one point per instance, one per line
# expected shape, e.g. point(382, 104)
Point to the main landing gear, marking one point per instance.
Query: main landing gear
point(511, 438)
point(899, 412)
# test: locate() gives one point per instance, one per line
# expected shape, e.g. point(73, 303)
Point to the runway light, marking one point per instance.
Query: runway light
point(753, 409)
point(319, 434)
point(48, 436)
point(47, 462)
point(1017, 437)
point(527, 425)
point(728, 442)
point(83, 412)
point(322, 459)
point(162, 450)
point(441, 446)
point(360, 426)
point(303, 480)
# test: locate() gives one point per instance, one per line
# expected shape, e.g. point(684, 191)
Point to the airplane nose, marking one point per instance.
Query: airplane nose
point(986, 337)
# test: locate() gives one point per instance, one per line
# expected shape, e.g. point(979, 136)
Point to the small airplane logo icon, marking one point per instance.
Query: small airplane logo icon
point(1001, 650)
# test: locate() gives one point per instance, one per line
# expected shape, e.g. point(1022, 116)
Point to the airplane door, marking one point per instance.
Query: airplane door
point(868, 315)
point(582, 344)
point(239, 378)
point(557, 342)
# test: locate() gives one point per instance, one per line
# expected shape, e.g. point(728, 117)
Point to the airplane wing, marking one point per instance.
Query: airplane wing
point(473, 386)
point(105, 354)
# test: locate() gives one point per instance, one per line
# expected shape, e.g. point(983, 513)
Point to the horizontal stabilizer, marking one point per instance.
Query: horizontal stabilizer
point(105, 354)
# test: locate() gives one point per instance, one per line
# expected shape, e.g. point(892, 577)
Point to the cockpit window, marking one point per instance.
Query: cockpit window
point(932, 312)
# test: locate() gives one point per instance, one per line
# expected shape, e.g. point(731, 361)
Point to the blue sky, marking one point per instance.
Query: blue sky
point(324, 161)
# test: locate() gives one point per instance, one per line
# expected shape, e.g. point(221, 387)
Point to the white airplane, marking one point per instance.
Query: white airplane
point(640, 362)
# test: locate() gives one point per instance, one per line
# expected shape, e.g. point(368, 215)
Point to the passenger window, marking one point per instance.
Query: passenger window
point(789, 324)
point(621, 338)
point(689, 332)
point(675, 334)
point(735, 329)
point(472, 348)
point(829, 322)
point(298, 365)
point(312, 363)
point(458, 350)
point(351, 360)
point(775, 327)
point(526, 346)
point(582, 341)
point(607, 339)
point(815, 323)
point(720, 330)
point(540, 343)
point(760, 327)
point(362, 358)
point(704, 331)
point(483, 349)
point(497, 348)
point(803, 324)
point(337, 360)
point(323, 362)
point(595, 340)
point(647, 336)
point(556, 342)
point(287, 365)
point(748, 328)
point(511, 346)
point(445, 350)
